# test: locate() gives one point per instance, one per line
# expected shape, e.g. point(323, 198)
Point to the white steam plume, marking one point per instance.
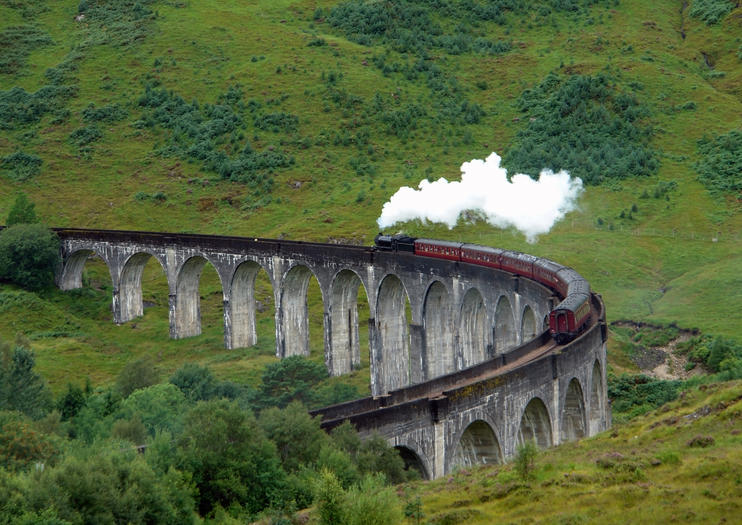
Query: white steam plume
point(531, 206)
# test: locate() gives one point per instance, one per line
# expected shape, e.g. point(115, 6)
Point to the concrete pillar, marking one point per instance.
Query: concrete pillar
point(228, 336)
point(417, 344)
point(439, 446)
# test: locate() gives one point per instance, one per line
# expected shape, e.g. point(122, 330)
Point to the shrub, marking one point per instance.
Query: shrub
point(137, 374)
point(21, 166)
point(29, 255)
point(525, 459)
point(108, 113)
point(720, 166)
point(85, 135)
point(18, 107)
point(20, 445)
point(119, 22)
point(21, 388)
point(22, 211)
point(16, 43)
point(583, 124)
point(711, 11)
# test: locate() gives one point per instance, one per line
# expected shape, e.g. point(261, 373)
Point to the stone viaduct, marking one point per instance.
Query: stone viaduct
point(462, 369)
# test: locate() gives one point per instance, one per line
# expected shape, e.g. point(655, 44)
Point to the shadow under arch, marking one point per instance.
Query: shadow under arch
point(412, 461)
point(70, 278)
point(506, 336)
point(573, 413)
point(294, 312)
point(392, 370)
point(131, 302)
point(243, 304)
point(439, 357)
point(472, 330)
point(528, 325)
point(535, 424)
point(345, 346)
point(597, 399)
point(478, 445)
point(186, 316)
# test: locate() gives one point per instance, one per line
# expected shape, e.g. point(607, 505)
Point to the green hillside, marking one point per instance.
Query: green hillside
point(300, 119)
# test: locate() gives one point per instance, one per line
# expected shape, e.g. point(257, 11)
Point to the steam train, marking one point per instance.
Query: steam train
point(566, 321)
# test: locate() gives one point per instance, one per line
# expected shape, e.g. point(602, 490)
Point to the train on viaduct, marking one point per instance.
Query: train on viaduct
point(462, 365)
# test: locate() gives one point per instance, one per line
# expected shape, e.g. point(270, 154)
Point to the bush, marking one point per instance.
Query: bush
point(525, 459)
point(108, 113)
point(16, 43)
point(233, 464)
point(21, 388)
point(20, 445)
point(583, 124)
point(21, 166)
point(29, 255)
point(135, 375)
point(711, 11)
point(22, 212)
point(720, 166)
point(85, 135)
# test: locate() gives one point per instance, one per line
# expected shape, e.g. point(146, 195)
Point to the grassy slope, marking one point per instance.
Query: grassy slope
point(662, 266)
point(644, 471)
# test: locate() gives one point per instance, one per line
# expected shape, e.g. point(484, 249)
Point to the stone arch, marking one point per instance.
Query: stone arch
point(345, 346)
point(505, 332)
point(412, 461)
point(478, 444)
point(131, 304)
point(597, 400)
point(573, 413)
point(392, 370)
point(71, 276)
point(187, 312)
point(294, 312)
point(528, 325)
point(535, 424)
point(472, 329)
point(439, 358)
point(243, 305)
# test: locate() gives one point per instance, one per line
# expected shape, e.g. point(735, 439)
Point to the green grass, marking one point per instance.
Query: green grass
point(650, 470)
point(675, 259)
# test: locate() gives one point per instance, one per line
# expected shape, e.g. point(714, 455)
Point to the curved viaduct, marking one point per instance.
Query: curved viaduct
point(462, 369)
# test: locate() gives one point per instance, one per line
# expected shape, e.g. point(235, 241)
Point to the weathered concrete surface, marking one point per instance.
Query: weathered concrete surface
point(482, 414)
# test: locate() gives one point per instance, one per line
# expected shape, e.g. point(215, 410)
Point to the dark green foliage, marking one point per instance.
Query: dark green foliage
point(107, 113)
point(720, 167)
point(277, 122)
point(159, 407)
point(214, 135)
point(137, 374)
point(119, 22)
point(112, 487)
point(70, 403)
point(418, 26)
point(291, 379)
point(232, 462)
point(22, 211)
point(84, 136)
point(711, 11)
point(21, 446)
point(198, 384)
point(20, 166)
point(29, 255)
point(632, 395)
point(29, 8)
point(21, 388)
point(297, 435)
point(16, 43)
point(18, 107)
point(583, 124)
